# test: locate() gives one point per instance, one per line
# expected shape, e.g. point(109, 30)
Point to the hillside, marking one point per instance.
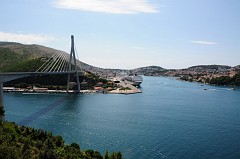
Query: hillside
point(205, 69)
point(216, 67)
point(17, 57)
point(30, 51)
point(210, 74)
point(18, 142)
point(150, 71)
point(13, 55)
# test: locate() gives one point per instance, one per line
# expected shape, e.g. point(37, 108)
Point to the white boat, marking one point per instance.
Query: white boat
point(135, 80)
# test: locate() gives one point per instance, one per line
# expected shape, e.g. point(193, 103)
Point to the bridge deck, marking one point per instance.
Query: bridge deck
point(8, 76)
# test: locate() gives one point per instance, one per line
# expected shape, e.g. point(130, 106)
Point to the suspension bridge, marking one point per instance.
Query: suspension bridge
point(59, 63)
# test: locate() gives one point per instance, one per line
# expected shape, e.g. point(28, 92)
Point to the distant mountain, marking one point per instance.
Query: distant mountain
point(237, 67)
point(209, 67)
point(198, 69)
point(150, 71)
point(210, 74)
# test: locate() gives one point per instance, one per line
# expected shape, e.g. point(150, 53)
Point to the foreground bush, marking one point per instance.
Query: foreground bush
point(18, 142)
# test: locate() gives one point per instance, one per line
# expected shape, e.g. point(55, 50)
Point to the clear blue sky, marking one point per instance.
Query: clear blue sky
point(129, 33)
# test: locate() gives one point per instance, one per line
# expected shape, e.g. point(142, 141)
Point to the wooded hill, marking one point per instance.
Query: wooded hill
point(16, 57)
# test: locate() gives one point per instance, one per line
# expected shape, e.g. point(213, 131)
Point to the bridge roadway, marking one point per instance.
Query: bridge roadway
point(8, 76)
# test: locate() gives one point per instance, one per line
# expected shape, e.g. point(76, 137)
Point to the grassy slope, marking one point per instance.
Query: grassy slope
point(14, 57)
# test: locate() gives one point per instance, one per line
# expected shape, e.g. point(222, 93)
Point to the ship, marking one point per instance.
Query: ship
point(134, 79)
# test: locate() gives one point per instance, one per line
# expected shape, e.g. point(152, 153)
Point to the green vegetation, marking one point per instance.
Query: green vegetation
point(26, 66)
point(222, 80)
point(17, 55)
point(2, 111)
point(226, 80)
point(53, 82)
point(150, 71)
point(125, 88)
point(8, 58)
point(17, 142)
point(91, 80)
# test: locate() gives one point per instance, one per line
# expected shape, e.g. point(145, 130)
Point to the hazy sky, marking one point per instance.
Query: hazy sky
point(129, 33)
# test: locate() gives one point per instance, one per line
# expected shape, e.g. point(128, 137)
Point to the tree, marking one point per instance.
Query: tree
point(116, 155)
point(106, 155)
point(75, 145)
point(2, 111)
point(8, 152)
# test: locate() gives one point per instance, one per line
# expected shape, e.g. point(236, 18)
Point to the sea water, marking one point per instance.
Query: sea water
point(171, 119)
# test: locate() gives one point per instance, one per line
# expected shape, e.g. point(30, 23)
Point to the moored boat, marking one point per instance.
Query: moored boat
point(135, 80)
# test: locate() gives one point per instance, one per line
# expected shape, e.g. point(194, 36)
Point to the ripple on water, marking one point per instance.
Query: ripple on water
point(170, 120)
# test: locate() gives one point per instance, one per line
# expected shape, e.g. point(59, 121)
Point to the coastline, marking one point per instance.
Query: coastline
point(122, 87)
point(27, 91)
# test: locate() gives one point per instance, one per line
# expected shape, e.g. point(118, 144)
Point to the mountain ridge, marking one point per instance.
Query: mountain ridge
point(12, 53)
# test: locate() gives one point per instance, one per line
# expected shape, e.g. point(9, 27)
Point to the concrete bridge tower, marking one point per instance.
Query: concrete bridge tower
point(72, 60)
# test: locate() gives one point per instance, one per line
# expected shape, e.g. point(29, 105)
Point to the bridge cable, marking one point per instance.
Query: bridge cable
point(65, 62)
point(78, 61)
point(61, 64)
point(38, 70)
point(51, 63)
point(60, 68)
point(57, 63)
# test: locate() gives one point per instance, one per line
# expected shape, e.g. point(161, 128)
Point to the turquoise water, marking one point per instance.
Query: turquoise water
point(171, 119)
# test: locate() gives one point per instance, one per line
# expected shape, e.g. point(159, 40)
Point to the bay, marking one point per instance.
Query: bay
point(171, 119)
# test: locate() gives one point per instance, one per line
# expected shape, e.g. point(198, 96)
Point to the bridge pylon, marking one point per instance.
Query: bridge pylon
point(72, 60)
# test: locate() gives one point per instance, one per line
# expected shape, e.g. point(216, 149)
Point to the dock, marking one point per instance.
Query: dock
point(125, 84)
